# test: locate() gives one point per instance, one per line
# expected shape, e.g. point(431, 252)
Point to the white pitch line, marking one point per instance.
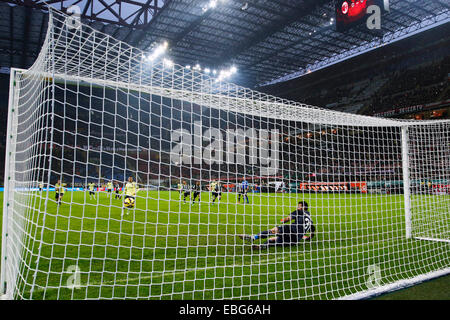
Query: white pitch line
point(177, 272)
point(163, 274)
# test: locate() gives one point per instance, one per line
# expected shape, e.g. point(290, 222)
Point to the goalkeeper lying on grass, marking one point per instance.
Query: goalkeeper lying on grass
point(301, 228)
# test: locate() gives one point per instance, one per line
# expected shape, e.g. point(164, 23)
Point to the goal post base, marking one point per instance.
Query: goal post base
point(4, 297)
point(432, 239)
point(402, 284)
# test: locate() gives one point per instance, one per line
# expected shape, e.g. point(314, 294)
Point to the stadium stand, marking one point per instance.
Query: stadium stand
point(402, 75)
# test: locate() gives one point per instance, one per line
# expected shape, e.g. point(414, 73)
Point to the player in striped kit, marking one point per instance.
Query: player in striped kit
point(186, 191)
point(196, 191)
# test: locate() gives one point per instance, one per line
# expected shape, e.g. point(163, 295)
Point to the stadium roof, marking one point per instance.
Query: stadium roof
point(267, 40)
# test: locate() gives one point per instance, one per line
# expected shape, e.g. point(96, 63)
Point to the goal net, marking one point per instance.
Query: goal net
point(130, 177)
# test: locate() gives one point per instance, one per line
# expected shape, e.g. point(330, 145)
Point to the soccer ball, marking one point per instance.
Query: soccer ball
point(129, 202)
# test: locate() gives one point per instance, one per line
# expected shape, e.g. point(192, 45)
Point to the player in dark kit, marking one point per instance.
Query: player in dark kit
point(117, 187)
point(196, 190)
point(301, 228)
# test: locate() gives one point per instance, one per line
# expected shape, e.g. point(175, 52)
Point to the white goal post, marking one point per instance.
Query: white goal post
point(95, 121)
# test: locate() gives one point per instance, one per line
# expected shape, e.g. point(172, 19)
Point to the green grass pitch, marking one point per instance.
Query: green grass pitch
point(165, 249)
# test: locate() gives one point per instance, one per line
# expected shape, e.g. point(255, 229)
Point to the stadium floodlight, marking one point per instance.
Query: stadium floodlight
point(211, 5)
point(158, 51)
point(225, 74)
point(358, 205)
point(168, 63)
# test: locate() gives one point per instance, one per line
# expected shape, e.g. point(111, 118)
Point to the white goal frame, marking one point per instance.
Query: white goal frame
point(231, 98)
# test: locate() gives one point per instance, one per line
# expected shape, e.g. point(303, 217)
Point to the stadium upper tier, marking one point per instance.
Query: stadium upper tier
point(99, 59)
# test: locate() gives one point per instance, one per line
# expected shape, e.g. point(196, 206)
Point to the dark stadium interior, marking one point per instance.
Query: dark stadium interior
point(408, 78)
point(414, 71)
point(81, 149)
